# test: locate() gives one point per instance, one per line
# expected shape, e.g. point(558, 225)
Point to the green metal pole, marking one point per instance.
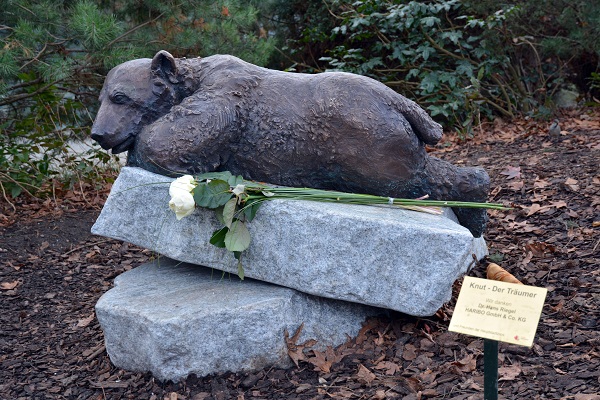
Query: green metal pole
point(490, 369)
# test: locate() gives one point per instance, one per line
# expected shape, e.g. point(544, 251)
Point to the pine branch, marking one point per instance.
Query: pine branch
point(22, 96)
point(135, 28)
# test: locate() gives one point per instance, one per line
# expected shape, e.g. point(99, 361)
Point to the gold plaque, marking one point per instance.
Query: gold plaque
point(505, 312)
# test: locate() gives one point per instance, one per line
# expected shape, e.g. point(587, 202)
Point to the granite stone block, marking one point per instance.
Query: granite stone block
point(174, 319)
point(375, 255)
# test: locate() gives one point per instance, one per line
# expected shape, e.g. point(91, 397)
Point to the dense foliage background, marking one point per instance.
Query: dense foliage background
point(459, 59)
point(462, 60)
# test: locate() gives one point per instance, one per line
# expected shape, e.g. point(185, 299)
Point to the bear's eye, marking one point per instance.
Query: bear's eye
point(119, 98)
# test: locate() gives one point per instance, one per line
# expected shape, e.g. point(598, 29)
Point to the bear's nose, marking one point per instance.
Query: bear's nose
point(101, 139)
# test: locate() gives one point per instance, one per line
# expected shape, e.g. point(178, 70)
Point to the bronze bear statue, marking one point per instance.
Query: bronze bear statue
point(333, 130)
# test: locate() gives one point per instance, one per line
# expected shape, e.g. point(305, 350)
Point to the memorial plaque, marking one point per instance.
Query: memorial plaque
point(505, 312)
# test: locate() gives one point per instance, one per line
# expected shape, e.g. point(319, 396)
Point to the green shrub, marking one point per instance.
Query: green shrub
point(459, 59)
point(302, 29)
point(433, 52)
point(38, 146)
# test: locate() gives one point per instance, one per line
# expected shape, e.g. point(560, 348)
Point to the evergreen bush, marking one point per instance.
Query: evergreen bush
point(460, 59)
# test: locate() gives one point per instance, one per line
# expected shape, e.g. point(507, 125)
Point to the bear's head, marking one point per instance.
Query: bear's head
point(135, 94)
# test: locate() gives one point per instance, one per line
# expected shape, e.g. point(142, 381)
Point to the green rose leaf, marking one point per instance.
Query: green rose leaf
point(240, 269)
point(219, 215)
point(235, 180)
point(251, 208)
point(229, 212)
point(212, 194)
point(218, 237)
point(222, 176)
point(238, 237)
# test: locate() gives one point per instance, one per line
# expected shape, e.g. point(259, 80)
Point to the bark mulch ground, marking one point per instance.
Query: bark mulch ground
point(52, 272)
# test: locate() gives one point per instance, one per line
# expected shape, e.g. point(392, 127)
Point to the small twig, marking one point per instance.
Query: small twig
point(331, 12)
point(86, 245)
point(26, 9)
point(135, 28)
point(83, 194)
point(292, 60)
point(54, 194)
point(22, 96)
point(34, 58)
point(25, 84)
point(20, 184)
point(6, 198)
point(98, 351)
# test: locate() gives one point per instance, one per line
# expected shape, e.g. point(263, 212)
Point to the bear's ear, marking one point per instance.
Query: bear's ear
point(163, 65)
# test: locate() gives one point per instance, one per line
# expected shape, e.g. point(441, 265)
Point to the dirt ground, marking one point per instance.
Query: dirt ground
point(52, 272)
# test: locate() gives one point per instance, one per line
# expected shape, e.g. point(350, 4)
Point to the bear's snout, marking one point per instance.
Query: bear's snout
point(101, 139)
point(117, 142)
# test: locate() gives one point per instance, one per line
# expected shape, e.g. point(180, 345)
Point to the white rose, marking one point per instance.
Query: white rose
point(182, 200)
point(183, 204)
point(185, 183)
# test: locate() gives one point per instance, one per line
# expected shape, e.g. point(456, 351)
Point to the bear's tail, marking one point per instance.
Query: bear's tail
point(429, 131)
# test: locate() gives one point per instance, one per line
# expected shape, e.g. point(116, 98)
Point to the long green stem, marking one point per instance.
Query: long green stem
point(258, 192)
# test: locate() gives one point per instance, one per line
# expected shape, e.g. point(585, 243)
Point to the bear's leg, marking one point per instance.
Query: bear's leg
point(444, 181)
point(186, 142)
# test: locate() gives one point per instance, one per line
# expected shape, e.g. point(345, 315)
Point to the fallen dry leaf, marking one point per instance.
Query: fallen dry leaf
point(540, 184)
point(532, 209)
point(367, 326)
point(539, 249)
point(409, 353)
point(572, 184)
point(586, 396)
point(512, 172)
point(516, 185)
point(559, 306)
point(324, 360)
point(364, 375)
point(572, 214)
point(295, 350)
point(343, 394)
point(390, 367)
point(413, 384)
point(522, 227)
point(82, 323)
point(9, 285)
point(558, 204)
point(320, 362)
point(527, 259)
point(538, 198)
point(509, 373)
point(467, 364)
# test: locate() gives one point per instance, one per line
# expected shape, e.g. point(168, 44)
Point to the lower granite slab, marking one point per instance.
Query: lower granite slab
point(174, 319)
